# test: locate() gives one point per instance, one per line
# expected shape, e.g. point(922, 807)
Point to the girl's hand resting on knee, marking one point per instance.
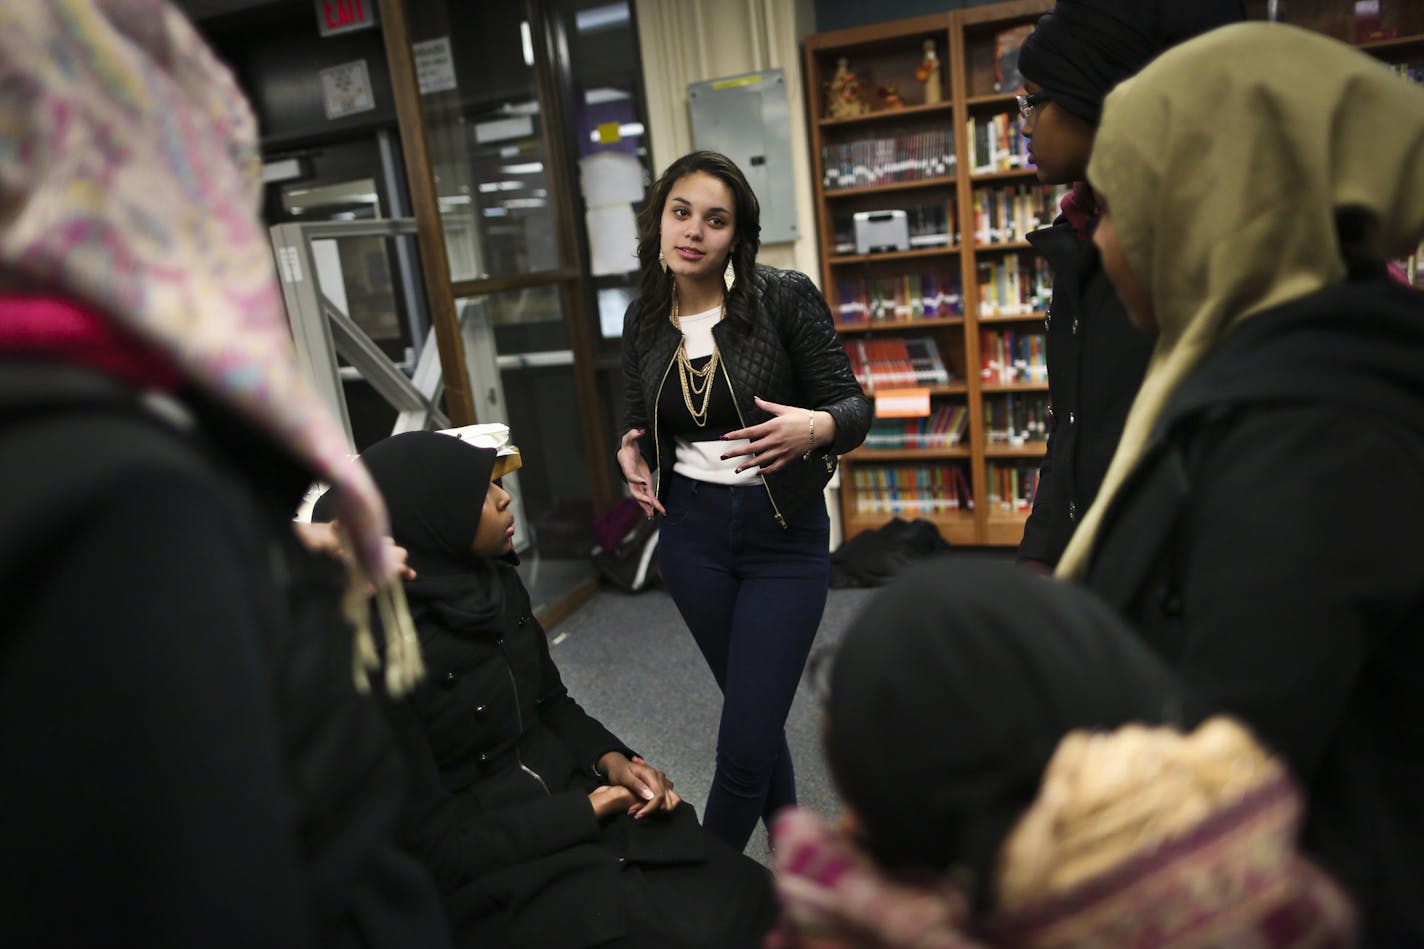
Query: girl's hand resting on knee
point(610, 799)
point(651, 789)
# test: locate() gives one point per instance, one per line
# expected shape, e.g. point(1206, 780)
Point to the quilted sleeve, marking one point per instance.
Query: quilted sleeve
point(635, 411)
point(820, 362)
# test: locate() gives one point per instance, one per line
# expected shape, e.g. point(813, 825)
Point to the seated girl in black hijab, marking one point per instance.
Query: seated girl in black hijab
point(541, 827)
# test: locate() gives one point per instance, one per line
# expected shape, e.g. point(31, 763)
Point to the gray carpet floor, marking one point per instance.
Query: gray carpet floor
point(630, 661)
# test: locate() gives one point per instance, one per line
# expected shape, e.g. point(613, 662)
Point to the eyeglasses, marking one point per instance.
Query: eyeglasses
point(1030, 102)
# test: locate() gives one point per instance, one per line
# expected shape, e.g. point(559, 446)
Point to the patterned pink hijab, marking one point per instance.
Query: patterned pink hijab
point(130, 183)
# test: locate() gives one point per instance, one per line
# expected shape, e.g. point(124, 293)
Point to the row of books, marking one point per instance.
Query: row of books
point(996, 143)
point(905, 297)
point(1016, 418)
point(1011, 485)
point(1012, 356)
point(1406, 71)
point(896, 361)
point(1005, 214)
point(908, 156)
point(928, 225)
point(911, 489)
point(1014, 286)
point(943, 428)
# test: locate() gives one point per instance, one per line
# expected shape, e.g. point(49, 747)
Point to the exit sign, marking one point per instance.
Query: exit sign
point(343, 16)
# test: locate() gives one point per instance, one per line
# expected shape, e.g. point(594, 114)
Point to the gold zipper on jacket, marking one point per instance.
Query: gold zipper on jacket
point(657, 454)
point(776, 511)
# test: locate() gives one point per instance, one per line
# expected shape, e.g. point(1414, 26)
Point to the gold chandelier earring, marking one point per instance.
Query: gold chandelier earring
point(729, 276)
point(662, 261)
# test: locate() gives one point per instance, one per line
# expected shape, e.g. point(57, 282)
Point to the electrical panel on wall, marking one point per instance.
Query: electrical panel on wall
point(747, 119)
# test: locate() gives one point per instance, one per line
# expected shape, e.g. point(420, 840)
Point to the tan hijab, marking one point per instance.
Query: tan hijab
point(1224, 164)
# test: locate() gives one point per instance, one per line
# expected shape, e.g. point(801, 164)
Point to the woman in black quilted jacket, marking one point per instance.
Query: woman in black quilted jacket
point(738, 397)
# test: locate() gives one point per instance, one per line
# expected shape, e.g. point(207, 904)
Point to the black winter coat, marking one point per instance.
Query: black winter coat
point(502, 765)
point(790, 355)
point(1096, 360)
point(186, 759)
point(1267, 547)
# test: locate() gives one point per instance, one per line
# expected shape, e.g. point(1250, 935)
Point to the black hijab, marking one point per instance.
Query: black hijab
point(434, 486)
point(1083, 48)
point(950, 693)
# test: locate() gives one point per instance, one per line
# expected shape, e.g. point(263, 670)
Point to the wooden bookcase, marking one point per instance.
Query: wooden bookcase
point(887, 54)
point(939, 263)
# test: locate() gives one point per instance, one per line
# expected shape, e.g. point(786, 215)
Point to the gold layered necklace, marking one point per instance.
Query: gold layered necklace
point(696, 383)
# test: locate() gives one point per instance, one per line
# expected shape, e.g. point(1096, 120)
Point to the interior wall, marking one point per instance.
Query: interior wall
point(686, 41)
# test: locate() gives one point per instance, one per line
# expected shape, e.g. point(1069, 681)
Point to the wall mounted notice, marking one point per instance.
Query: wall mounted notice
point(346, 89)
point(434, 65)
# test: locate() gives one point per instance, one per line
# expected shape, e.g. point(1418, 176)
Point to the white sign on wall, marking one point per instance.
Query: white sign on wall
point(346, 89)
point(434, 65)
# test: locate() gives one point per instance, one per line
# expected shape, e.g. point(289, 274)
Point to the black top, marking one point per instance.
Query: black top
point(675, 419)
point(187, 762)
point(1096, 360)
point(1267, 547)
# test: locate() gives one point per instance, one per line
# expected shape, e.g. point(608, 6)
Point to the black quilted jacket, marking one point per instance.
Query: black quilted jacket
point(790, 355)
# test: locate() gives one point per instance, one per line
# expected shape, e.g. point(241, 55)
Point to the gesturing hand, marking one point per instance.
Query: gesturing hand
point(651, 789)
point(781, 439)
point(637, 473)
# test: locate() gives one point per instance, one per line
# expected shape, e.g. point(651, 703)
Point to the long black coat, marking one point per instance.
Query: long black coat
point(503, 761)
point(1096, 359)
point(186, 761)
point(1267, 547)
point(790, 355)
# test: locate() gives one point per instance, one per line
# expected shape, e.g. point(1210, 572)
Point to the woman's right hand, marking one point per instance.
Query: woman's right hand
point(636, 472)
point(610, 799)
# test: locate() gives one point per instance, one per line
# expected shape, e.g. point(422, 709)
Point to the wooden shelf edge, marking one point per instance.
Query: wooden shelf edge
point(899, 325)
point(1375, 46)
point(994, 248)
point(1033, 317)
point(992, 98)
point(1032, 450)
point(957, 527)
point(953, 388)
point(1013, 387)
point(863, 455)
point(947, 250)
point(945, 181)
point(881, 115)
point(1011, 175)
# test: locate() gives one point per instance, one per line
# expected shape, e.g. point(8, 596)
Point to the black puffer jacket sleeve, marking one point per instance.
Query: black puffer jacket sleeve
point(635, 410)
point(819, 360)
point(456, 849)
point(584, 736)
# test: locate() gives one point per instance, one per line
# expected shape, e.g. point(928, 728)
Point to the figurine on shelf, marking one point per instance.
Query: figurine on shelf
point(890, 97)
point(928, 74)
point(846, 97)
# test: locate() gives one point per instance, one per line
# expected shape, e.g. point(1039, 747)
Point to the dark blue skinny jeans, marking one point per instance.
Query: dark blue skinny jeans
point(752, 593)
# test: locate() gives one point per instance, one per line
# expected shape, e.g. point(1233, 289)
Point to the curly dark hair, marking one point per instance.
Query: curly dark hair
point(655, 286)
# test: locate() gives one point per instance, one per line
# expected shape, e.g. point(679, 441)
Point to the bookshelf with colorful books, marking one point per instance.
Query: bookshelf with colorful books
point(1008, 284)
point(887, 171)
point(960, 274)
point(945, 179)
